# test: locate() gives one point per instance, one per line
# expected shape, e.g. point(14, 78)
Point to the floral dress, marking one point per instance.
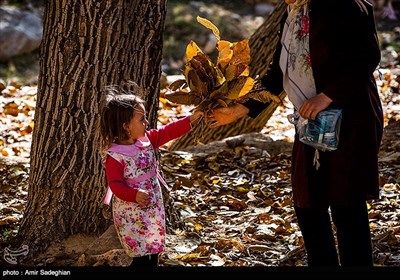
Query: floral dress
point(141, 230)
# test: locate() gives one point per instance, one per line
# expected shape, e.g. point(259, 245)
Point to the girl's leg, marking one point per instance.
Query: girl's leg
point(145, 261)
point(316, 228)
point(353, 234)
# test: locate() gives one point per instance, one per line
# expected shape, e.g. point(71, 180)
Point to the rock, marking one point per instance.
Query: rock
point(211, 43)
point(21, 32)
point(263, 9)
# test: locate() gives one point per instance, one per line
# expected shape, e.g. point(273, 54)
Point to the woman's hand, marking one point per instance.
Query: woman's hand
point(226, 115)
point(311, 107)
point(142, 198)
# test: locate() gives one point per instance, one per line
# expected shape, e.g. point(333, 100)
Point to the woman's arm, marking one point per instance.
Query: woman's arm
point(272, 80)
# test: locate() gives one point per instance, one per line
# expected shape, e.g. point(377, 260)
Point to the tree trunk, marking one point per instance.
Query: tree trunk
point(262, 46)
point(86, 45)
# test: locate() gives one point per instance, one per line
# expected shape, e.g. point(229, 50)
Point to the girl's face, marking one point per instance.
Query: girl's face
point(138, 124)
point(290, 1)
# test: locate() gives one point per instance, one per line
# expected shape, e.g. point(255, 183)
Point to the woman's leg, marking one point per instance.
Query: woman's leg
point(145, 261)
point(316, 228)
point(353, 234)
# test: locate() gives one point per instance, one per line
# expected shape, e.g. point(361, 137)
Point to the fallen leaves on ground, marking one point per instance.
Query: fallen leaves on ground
point(236, 204)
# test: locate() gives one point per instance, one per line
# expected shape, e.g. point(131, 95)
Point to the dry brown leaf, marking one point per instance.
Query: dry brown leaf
point(11, 109)
point(192, 50)
point(240, 87)
point(209, 25)
point(182, 97)
point(178, 84)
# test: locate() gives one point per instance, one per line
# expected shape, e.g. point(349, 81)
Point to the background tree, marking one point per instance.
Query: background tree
point(86, 45)
point(262, 46)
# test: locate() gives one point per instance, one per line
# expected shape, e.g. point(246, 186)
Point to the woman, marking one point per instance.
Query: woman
point(326, 57)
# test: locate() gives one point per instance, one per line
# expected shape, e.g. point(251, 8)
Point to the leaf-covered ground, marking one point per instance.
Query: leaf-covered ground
point(235, 199)
point(234, 196)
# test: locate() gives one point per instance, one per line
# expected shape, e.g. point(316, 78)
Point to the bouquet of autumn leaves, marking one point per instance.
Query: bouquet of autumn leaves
point(209, 85)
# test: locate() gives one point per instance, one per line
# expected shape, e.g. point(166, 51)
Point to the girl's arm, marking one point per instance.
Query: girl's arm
point(115, 178)
point(168, 132)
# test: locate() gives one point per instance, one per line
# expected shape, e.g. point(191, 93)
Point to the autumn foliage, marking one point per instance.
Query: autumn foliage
point(209, 85)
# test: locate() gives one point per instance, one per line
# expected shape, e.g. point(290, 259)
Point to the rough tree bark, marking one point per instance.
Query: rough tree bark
point(86, 45)
point(262, 46)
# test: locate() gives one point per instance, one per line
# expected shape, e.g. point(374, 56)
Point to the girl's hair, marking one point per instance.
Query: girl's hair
point(116, 108)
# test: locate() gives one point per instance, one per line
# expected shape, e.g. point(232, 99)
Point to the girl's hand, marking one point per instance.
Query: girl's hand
point(311, 107)
point(196, 117)
point(226, 115)
point(142, 198)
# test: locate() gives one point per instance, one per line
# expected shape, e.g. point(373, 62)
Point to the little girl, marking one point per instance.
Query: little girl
point(132, 173)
